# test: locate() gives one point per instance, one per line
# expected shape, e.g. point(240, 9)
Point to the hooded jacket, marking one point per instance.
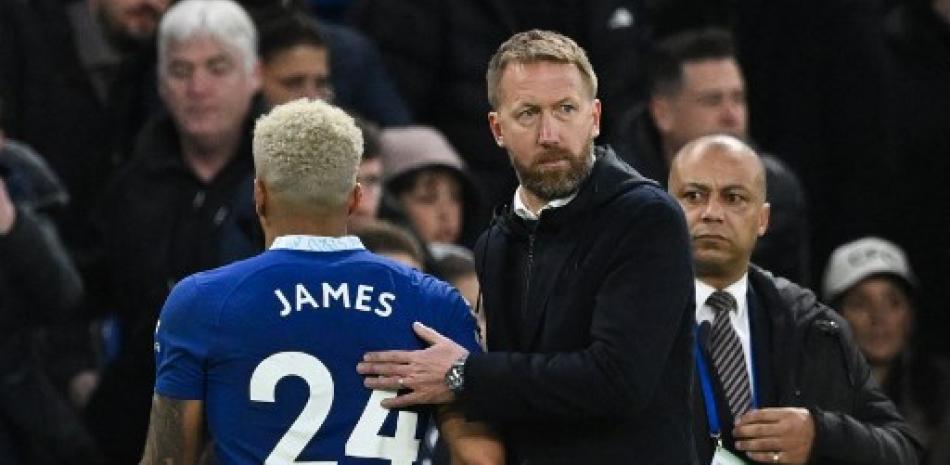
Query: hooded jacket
point(805, 356)
point(39, 287)
point(589, 320)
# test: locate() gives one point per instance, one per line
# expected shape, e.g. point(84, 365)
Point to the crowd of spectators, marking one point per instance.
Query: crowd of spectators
point(126, 165)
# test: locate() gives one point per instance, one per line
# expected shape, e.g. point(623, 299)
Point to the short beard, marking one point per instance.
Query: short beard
point(124, 41)
point(556, 184)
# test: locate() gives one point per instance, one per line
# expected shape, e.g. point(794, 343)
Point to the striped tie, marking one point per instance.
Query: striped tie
point(728, 356)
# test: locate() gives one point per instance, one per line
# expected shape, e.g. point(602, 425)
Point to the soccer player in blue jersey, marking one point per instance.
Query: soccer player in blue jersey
point(263, 350)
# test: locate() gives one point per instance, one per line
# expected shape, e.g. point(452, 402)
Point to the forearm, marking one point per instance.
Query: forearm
point(469, 443)
point(174, 432)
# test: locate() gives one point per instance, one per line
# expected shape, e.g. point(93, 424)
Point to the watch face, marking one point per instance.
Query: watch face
point(454, 378)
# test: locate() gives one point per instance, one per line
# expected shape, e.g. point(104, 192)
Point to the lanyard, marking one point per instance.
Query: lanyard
point(705, 379)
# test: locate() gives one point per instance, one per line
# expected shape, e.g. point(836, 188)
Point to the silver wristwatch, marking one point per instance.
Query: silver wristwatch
point(455, 377)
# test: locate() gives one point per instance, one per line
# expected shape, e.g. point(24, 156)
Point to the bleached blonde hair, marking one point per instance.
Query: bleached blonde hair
point(307, 152)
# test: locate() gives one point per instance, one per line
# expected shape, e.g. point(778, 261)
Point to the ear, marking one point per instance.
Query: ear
point(662, 113)
point(495, 127)
point(764, 215)
point(595, 112)
point(256, 76)
point(260, 200)
point(354, 199)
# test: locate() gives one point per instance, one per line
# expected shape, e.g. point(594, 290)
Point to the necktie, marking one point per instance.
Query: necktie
point(728, 356)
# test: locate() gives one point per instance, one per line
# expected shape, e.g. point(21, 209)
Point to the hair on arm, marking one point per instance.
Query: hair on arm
point(174, 432)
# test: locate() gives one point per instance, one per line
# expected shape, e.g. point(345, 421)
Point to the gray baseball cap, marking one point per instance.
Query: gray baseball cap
point(857, 260)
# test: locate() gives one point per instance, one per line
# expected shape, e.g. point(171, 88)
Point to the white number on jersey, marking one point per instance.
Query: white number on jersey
point(364, 441)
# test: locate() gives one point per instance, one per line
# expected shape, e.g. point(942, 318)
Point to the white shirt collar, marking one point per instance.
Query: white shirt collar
point(738, 290)
point(317, 243)
point(525, 213)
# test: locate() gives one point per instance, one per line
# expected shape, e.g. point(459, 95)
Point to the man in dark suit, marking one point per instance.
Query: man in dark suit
point(780, 377)
point(586, 281)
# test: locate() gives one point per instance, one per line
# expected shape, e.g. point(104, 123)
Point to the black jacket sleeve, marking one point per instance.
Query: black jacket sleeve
point(37, 268)
point(638, 334)
point(874, 434)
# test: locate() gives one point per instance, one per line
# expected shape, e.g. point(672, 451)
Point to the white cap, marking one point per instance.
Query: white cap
point(854, 261)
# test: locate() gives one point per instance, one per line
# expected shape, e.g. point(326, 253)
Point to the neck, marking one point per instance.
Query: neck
point(880, 372)
point(207, 158)
point(532, 201)
point(327, 226)
point(719, 282)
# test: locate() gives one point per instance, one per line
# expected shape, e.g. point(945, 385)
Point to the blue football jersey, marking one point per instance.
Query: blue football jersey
point(270, 344)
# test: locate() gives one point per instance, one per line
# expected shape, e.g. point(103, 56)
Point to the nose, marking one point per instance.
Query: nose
point(548, 133)
point(199, 83)
point(729, 115)
point(712, 210)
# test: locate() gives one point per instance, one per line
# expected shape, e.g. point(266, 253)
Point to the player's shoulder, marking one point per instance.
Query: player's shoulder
point(229, 275)
point(426, 285)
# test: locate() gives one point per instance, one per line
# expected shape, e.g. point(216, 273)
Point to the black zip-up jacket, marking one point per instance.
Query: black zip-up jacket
point(810, 360)
point(589, 316)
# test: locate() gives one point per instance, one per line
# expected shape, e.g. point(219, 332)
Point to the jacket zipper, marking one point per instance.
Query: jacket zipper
point(527, 275)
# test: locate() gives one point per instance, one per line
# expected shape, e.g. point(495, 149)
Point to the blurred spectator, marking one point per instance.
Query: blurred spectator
point(78, 79)
point(871, 283)
point(387, 239)
point(437, 52)
point(456, 265)
point(167, 212)
point(816, 93)
point(918, 35)
point(38, 287)
point(697, 89)
point(425, 180)
point(294, 60)
point(360, 82)
point(369, 174)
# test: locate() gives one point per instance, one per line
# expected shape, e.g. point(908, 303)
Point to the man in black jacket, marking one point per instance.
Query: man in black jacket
point(39, 287)
point(587, 287)
point(171, 211)
point(781, 379)
point(78, 79)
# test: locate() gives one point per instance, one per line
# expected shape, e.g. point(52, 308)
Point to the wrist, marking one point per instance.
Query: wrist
point(455, 376)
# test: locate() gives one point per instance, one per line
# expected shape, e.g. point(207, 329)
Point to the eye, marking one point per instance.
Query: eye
point(567, 108)
point(220, 67)
point(526, 113)
point(711, 100)
point(692, 196)
point(733, 197)
point(293, 83)
point(179, 70)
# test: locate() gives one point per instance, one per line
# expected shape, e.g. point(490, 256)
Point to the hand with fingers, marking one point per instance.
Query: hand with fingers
point(776, 435)
point(422, 372)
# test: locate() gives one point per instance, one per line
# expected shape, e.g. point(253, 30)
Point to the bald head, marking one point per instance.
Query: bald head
point(720, 183)
point(726, 146)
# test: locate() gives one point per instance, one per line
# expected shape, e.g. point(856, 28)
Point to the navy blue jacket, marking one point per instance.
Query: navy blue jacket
point(589, 330)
